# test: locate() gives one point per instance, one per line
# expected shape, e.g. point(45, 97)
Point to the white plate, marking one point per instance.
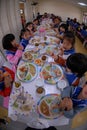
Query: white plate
point(28, 53)
point(51, 73)
point(46, 106)
point(26, 72)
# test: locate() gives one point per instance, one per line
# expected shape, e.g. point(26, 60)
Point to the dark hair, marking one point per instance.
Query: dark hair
point(6, 41)
point(57, 17)
point(63, 26)
point(77, 63)
point(27, 24)
point(69, 35)
point(23, 32)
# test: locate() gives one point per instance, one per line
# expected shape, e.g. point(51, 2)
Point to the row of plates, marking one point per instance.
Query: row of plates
point(50, 72)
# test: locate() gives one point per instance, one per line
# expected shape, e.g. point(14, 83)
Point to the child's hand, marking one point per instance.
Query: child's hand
point(66, 104)
point(57, 41)
point(17, 45)
point(61, 105)
point(55, 57)
point(61, 51)
point(20, 47)
point(69, 104)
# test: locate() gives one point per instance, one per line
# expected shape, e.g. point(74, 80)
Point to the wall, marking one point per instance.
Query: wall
point(60, 8)
point(10, 21)
point(28, 11)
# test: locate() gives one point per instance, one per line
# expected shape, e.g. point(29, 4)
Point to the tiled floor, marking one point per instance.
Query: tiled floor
point(21, 126)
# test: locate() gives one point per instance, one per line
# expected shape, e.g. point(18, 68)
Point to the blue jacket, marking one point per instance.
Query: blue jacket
point(70, 51)
point(78, 104)
point(24, 42)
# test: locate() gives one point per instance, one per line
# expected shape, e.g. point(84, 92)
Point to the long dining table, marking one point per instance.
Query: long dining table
point(25, 103)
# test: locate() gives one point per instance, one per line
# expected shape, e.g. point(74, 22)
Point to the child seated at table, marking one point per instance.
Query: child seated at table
point(36, 24)
point(24, 37)
point(63, 28)
point(30, 27)
point(66, 49)
point(56, 22)
point(13, 50)
point(74, 99)
point(6, 80)
point(76, 67)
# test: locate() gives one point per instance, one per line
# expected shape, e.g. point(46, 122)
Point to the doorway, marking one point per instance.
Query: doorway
point(22, 14)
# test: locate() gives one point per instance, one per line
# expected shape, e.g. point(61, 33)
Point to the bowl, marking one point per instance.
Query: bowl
point(36, 44)
point(40, 91)
point(17, 84)
point(61, 84)
point(44, 58)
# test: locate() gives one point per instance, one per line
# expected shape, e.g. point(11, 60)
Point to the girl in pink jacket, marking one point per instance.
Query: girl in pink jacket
point(13, 50)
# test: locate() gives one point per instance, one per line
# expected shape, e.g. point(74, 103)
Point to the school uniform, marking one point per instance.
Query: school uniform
point(78, 104)
point(13, 58)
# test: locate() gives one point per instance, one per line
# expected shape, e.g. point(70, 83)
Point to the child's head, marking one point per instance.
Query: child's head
point(29, 26)
point(68, 40)
point(8, 42)
point(77, 63)
point(63, 28)
point(57, 20)
point(25, 34)
point(36, 22)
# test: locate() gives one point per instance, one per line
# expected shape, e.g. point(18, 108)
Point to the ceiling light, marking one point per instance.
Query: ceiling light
point(83, 4)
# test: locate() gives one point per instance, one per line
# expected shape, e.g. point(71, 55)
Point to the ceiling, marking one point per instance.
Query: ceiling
point(76, 2)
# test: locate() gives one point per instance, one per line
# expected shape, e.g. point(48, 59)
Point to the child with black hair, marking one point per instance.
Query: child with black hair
point(66, 49)
point(30, 27)
point(36, 24)
point(63, 28)
point(13, 50)
point(56, 22)
point(24, 37)
point(76, 67)
point(74, 100)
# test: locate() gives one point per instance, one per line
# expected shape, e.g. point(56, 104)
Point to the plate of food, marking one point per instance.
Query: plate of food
point(22, 103)
point(29, 55)
point(50, 32)
point(34, 40)
point(51, 73)
point(49, 49)
point(50, 39)
point(48, 106)
point(26, 72)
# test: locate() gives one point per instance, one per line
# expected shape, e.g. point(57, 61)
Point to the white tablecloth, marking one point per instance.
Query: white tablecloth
point(33, 119)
